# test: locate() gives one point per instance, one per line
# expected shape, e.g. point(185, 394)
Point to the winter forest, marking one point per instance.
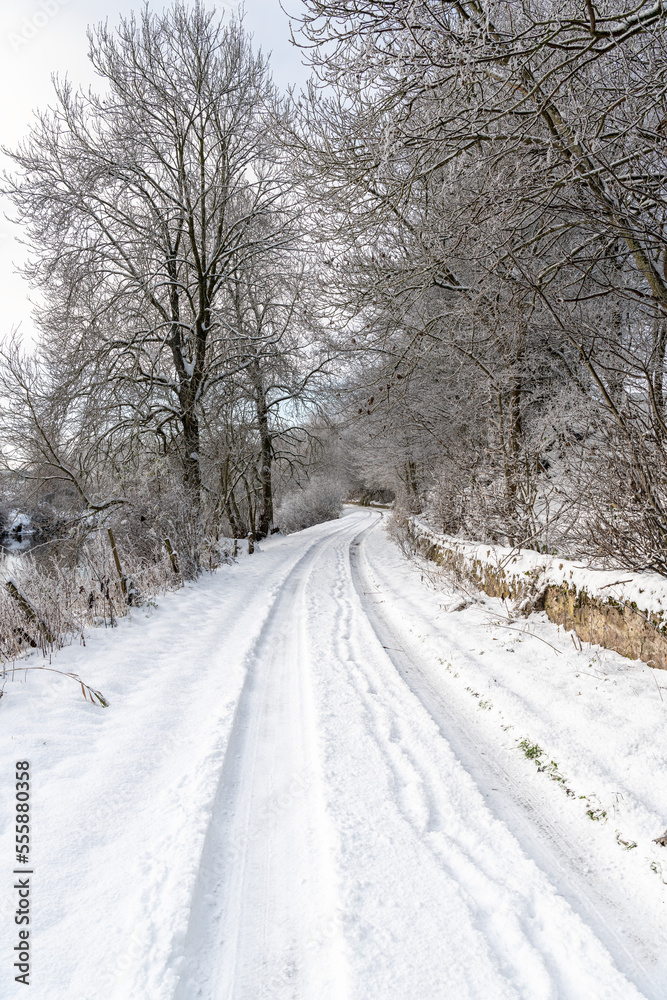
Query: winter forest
point(436, 276)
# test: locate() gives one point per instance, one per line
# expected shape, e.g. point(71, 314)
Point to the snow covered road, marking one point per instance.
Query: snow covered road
point(298, 794)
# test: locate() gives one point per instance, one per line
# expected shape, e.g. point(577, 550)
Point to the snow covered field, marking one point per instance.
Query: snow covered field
point(316, 782)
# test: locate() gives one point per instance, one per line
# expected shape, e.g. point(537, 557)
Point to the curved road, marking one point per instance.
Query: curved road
point(366, 843)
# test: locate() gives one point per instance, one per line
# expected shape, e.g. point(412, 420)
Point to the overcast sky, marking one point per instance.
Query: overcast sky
point(42, 37)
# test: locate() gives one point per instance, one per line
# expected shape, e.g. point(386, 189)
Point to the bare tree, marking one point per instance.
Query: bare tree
point(495, 177)
point(138, 202)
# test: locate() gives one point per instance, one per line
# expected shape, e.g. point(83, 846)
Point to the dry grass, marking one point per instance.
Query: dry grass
point(54, 598)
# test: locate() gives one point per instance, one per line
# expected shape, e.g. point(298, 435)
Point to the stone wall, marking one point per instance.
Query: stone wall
point(611, 623)
point(614, 625)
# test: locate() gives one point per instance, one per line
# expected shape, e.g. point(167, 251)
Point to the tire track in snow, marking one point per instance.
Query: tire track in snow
point(429, 894)
point(263, 917)
point(540, 839)
point(488, 919)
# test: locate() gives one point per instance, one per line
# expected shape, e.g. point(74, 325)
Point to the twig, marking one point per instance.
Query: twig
point(531, 634)
point(92, 693)
point(656, 684)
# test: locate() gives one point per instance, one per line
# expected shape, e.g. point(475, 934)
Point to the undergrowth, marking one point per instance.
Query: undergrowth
point(48, 601)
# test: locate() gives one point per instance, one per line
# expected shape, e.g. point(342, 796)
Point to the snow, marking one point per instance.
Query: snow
point(19, 535)
point(308, 785)
point(648, 591)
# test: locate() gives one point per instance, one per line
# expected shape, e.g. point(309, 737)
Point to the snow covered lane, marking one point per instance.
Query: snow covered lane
point(277, 807)
point(438, 900)
point(263, 914)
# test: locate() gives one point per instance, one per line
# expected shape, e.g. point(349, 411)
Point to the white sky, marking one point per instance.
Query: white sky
point(42, 37)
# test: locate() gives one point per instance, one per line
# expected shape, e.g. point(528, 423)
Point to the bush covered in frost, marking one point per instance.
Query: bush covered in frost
point(319, 500)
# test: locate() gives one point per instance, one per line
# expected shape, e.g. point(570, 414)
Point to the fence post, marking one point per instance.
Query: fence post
point(172, 556)
point(116, 559)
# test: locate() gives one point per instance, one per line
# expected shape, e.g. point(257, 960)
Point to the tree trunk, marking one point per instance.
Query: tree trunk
point(657, 377)
point(613, 356)
point(514, 431)
point(265, 522)
point(234, 516)
point(191, 466)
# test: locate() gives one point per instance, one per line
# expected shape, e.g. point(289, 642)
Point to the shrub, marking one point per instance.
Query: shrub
point(319, 500)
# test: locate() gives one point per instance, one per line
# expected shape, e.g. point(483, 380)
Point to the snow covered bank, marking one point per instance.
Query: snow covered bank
point(520, 698)
point(619, 610)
